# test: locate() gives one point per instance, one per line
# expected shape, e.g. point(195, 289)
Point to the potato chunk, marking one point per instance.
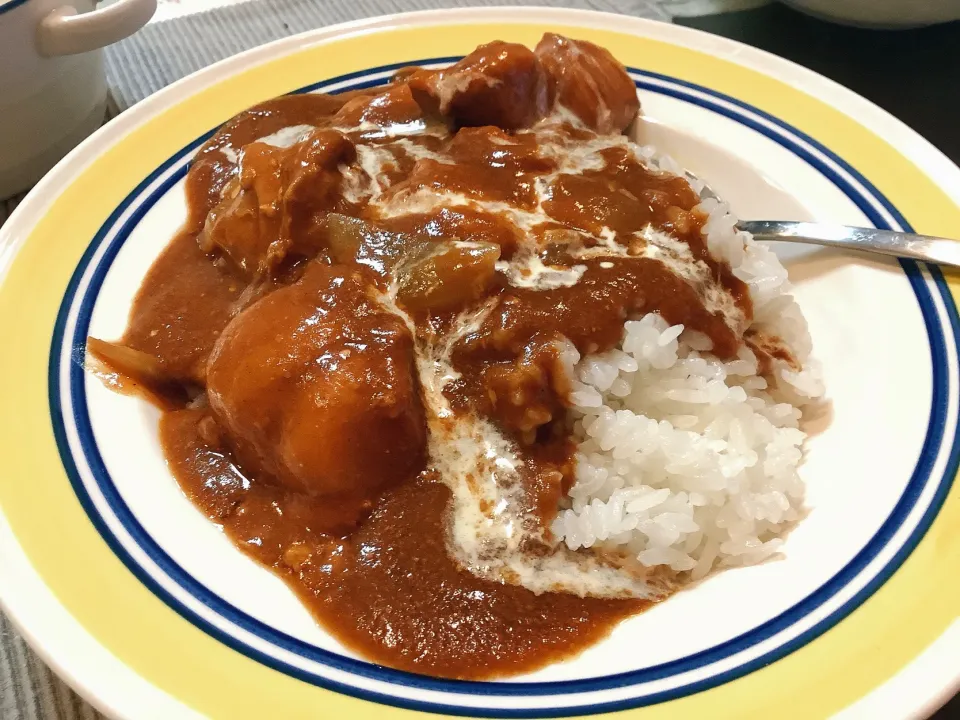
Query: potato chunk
point(315, 386)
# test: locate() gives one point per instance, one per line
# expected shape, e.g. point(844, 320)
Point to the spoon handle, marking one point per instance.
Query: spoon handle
point(888, 242)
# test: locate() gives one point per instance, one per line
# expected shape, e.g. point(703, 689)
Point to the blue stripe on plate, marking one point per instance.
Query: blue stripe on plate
point(8, 6)
point(918, 480)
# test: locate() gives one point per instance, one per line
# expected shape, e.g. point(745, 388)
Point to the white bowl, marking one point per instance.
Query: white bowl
point(881, 13)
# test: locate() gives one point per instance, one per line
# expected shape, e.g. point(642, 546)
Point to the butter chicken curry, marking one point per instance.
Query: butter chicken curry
point(356, 341)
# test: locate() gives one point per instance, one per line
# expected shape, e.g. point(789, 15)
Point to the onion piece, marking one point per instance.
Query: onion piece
point(141, 373)
point(450, 275)
point(354, 240)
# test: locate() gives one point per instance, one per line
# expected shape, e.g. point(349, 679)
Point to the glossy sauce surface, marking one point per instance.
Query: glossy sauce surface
point(389, 591)
point(338, 251)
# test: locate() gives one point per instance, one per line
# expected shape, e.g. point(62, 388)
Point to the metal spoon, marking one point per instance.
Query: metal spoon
point(926, 248)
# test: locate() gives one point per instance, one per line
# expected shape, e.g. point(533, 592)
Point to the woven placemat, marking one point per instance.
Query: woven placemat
point(167, 51)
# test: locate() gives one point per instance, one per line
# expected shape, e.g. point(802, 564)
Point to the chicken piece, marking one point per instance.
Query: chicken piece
point(528, 391)
point(394, 106)
point(214, 165)
point(278, 201)
point(315, 386)
point(488, 164)
point(589, 82)
point(500, 84)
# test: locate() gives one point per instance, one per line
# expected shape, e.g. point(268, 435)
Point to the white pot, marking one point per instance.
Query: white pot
point(881, 13)
point(52, 87)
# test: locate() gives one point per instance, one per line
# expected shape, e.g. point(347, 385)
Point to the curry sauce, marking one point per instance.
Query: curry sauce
point(370, 286)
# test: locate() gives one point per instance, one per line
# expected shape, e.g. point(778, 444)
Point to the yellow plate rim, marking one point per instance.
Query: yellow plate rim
point(939, 216)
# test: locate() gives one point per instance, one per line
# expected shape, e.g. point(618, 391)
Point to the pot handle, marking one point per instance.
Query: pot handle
point(65, 32)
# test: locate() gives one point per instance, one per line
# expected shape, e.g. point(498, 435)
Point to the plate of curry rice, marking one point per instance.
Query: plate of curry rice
point(414, 366)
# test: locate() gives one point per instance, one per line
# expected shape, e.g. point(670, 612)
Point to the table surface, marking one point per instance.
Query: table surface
point(913, 74)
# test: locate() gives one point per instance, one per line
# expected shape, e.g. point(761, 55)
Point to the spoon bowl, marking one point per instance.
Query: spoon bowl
point(926, 248)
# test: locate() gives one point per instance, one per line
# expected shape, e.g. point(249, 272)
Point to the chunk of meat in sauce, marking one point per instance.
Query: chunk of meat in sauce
point(315, 386)
point(501, 84)
point(488, 164)
point(590, 82)
point(623, 196)
point(394, 106)
point(215, 164)
point(526, 393)
point(278, 201)
point(591, 314)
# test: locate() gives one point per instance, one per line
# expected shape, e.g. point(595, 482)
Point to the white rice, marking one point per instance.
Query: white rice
point(684, 460)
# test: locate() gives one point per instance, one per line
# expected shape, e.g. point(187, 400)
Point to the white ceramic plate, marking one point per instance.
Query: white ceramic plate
point(146, 608)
